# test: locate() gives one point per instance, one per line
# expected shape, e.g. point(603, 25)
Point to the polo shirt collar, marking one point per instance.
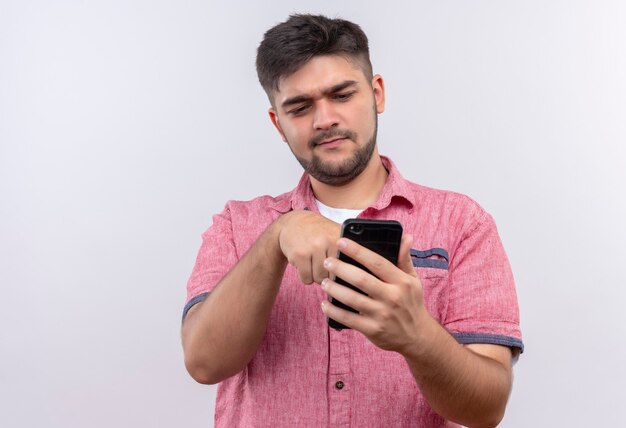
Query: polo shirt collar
point(395, 187)
point(302, 197)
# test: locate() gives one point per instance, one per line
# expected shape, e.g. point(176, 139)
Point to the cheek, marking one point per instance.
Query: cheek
point(295, 135)
point(364, 119)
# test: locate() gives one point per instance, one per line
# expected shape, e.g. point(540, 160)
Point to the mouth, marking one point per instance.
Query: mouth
point(332, 139)
point(331, 143)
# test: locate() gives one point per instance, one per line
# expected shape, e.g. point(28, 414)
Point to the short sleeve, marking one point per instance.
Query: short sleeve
point(482, 302)
point(217, 255)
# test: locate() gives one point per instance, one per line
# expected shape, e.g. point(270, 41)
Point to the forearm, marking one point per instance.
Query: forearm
point(459, 384)
point(221, 334)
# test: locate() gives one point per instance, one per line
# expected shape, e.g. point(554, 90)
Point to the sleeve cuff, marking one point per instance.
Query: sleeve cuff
point(199, 298)
point(493, 339)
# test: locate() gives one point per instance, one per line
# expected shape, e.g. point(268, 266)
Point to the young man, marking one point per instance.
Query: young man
point(432, 342)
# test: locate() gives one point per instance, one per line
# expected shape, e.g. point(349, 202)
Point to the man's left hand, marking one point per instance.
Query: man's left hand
point(393, 310)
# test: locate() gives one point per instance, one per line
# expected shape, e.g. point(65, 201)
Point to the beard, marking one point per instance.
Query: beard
point(344, 172)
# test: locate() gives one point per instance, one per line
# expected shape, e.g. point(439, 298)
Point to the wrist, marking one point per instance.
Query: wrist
point(425, 341)
point(272, 237)
point(280, 229)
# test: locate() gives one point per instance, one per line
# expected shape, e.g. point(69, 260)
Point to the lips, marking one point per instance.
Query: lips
point(332, 138)
point(331, 143)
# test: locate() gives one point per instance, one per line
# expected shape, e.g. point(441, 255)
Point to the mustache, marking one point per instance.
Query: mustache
point(331, 133)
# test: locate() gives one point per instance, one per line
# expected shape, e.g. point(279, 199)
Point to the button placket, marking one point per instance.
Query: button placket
point(339, 386)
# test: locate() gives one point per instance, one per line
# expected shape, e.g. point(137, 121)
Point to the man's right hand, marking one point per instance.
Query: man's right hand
point(307, 239)
point(214, 349)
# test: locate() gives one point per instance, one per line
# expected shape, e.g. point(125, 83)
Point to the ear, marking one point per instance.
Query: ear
point(274, 118)
point(378, 86)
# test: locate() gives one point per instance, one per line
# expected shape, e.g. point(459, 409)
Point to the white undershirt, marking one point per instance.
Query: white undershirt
point(338, 215)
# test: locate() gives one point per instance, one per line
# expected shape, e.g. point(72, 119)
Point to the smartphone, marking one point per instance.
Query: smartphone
point(380, 236)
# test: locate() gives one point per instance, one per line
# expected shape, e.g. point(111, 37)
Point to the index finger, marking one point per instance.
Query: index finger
point(382, 268)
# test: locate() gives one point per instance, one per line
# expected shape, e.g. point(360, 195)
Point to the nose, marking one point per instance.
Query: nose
point(325, 116)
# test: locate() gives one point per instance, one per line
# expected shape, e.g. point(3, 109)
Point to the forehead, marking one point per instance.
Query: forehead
point(319, 74)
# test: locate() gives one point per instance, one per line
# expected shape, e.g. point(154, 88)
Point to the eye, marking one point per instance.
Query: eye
point(299, 110)
point(344, 96)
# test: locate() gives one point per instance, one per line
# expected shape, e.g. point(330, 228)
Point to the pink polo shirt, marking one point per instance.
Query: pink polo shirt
point(307, 375)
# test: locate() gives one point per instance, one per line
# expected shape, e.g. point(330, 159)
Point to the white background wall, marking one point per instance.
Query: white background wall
point(124, 125)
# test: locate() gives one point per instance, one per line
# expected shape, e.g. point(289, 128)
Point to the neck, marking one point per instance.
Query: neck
point(359, 193)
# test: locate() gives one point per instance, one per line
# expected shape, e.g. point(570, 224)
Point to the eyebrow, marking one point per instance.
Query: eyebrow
point(304, 98)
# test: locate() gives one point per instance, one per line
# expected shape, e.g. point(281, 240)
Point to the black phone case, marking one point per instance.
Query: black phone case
point(380, 236)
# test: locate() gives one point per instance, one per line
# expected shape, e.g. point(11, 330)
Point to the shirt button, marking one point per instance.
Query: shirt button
point(339, 384)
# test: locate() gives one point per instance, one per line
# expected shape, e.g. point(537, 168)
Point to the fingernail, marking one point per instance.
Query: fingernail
point(327, 263)
point(323, 305)
point(342, 243)
point(324, 282)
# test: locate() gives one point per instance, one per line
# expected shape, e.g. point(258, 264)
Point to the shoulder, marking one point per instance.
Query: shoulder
point(431, 201)
point(458, 210)
point(429, 197)
point(260, 210)
point(248, 218)
point(260, 204)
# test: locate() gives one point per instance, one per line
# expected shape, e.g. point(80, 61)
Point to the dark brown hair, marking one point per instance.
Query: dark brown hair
point(291, 44)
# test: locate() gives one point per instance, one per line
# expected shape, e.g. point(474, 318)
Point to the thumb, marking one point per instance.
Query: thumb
point(404, 258)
